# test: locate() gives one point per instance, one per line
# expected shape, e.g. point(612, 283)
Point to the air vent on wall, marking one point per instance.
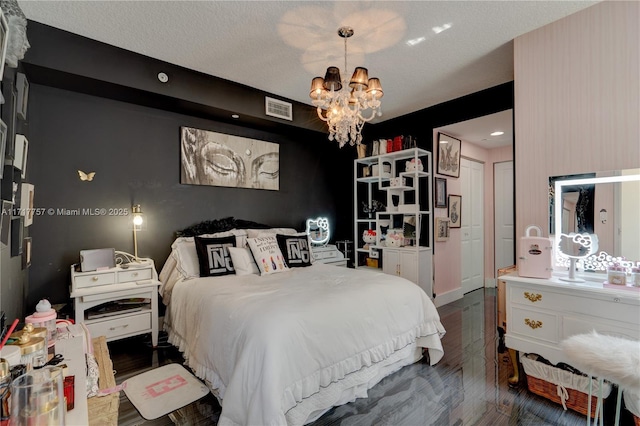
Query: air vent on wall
point(278, 108)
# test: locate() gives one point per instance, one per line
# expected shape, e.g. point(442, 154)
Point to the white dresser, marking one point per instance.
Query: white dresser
point(137, 281)
point(543, 312)
point(328, 254)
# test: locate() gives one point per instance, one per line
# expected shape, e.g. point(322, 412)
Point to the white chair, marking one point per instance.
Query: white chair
point(610, 358)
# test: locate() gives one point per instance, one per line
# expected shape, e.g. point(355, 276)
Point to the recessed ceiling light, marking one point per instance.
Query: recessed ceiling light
point(498, 133)
point(440, 29)
point(235, 116)
point(415, 41)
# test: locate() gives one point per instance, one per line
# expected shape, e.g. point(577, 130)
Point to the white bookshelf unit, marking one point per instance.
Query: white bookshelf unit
point(407, 195)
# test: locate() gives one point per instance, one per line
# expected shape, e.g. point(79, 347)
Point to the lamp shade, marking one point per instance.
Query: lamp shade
point(359, 79)
point(374, 90)
point(317, 88)
point(332, 79)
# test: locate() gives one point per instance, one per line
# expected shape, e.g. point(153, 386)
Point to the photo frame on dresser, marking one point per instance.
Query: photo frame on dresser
point(22, 86)
point(4, 41)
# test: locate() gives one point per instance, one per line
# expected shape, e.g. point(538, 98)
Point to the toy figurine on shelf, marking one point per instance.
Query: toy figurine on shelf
point(369, 237)
point(375, 206)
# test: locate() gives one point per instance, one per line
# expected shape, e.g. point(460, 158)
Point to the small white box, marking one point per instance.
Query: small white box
point(407, 208)
point(398, 181)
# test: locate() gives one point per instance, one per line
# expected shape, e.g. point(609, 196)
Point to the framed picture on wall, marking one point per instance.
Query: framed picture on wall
point(26, 203)
point(3, 144)
point(17, 235)
point(22, 85)
point(26, 252)
point(455, 210)
point(20, 156)
point(4, 41)
point(448, 155)
point(5, 221)
point(442, 229)
point(441, 193)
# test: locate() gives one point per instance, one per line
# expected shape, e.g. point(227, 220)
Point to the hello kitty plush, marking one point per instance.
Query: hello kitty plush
point(412, 165)
point(369, 237)
point(394, 240)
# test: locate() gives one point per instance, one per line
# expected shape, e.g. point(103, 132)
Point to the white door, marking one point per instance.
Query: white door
point(504, 217)
point(472, 224)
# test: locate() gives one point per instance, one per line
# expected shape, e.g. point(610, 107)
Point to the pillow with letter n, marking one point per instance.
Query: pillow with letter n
point(267, 254)
point(296, 250)
point(213, 255)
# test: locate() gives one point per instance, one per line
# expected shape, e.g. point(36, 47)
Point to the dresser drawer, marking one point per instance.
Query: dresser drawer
point(92, 280)
point(134, 275)
point(121, 326)
point(534, 324)
point(579, 325)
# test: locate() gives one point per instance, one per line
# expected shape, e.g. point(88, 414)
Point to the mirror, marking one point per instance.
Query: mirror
point(603, 204)
point(318, 231)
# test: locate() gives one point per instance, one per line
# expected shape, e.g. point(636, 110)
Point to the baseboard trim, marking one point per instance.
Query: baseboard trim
point(448, 297)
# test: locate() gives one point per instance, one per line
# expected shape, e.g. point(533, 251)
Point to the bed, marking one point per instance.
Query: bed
point(284, 347)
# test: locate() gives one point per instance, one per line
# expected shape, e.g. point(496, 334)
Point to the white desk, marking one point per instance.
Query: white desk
point(541, 313)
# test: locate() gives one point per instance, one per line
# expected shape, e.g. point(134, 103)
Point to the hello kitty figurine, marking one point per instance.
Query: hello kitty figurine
point(394, 240)
point(369, 237)
point(412, 165)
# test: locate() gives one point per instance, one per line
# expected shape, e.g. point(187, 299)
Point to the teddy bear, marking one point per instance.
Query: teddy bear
point(413, 165)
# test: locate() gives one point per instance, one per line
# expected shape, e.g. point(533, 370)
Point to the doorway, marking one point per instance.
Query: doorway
point(504, 215)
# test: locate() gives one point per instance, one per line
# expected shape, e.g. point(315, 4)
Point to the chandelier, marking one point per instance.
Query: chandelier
point(346, 106)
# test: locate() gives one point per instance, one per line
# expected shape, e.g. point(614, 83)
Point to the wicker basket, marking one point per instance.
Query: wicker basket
point(636, 420)
point(543, 380)
point(103, 410)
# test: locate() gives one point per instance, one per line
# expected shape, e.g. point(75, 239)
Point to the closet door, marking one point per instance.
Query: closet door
point(472, 224)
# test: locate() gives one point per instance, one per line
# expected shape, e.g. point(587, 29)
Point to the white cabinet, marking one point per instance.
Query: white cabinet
point(402, 192)
point(121, 288)
point(542, 313)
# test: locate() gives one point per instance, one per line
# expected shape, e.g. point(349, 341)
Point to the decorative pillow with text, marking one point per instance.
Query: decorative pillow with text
point(267, 254)
point(213, 255)
point(296, 250)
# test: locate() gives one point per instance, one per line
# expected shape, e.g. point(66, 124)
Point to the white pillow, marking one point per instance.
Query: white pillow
point(253, 233)
point(267, 254)
point(242, 260)
point(184, 249)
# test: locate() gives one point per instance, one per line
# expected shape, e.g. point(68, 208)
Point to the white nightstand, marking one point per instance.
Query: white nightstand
point(122, 283)
point(329, 254)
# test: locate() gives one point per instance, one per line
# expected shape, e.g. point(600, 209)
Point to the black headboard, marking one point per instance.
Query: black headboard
point(219, 225)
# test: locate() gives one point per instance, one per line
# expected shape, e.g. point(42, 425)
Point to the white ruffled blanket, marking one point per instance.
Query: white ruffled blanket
point(267, 344)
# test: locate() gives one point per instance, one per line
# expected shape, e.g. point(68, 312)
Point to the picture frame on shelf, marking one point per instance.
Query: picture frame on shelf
point(17, 235)
point(442, 228)
point(448, 155)
point(26, 252)
point(22, 86)
point(441, 193)
point(455, 210)
point(4, 41)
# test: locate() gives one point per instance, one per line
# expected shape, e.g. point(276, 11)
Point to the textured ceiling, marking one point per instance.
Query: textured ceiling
point(279, 46)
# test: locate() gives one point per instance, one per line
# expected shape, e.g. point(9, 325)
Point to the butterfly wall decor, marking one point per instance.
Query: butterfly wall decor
point(87, 177)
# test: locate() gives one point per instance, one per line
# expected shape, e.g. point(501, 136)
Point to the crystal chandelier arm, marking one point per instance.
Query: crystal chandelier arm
point(319, 111)
point(365, 120)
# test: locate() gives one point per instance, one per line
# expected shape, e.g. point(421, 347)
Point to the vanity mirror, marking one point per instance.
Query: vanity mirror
point(603, 207)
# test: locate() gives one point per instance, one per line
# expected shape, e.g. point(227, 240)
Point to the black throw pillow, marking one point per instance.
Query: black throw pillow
point(295, 249)
point(213, 256)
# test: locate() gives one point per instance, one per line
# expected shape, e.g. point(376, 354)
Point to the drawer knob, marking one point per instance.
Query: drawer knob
point(115, 328)
point(533, 297)
point(533, 323)
point(95, 279)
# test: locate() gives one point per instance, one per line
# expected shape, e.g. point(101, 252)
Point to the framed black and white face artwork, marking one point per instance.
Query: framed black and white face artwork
point(22, 86)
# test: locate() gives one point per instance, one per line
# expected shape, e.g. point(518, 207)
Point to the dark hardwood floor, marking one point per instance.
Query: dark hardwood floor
point(467, 387)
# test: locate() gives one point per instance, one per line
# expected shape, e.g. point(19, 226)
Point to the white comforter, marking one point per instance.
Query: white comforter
point(266, 344)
